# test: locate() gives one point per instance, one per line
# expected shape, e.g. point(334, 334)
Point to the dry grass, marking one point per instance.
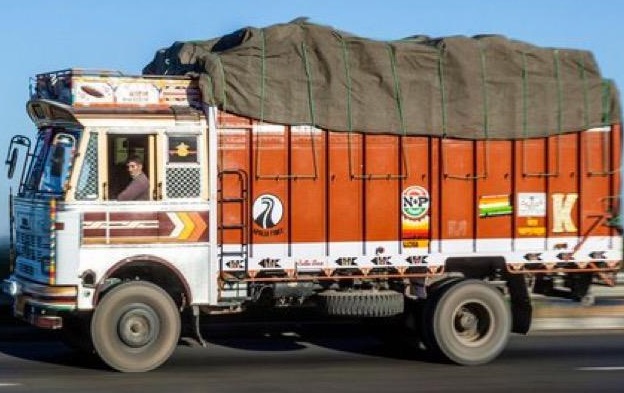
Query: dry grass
point(576, 310)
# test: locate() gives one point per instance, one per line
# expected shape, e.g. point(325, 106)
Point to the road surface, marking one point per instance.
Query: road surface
point(572, 348)
point(318, 358)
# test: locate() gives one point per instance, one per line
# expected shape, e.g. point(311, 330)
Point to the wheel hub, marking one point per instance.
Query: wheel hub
point(472, 322)
point(138, 327)
point(467, 320)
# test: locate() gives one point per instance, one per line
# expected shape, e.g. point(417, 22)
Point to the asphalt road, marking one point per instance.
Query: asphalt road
point(572, 348)
point(318, 358)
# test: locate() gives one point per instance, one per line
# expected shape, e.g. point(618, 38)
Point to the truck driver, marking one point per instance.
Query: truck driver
point(138, 188)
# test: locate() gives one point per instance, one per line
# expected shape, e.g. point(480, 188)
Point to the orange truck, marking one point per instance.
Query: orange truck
point(446, 237)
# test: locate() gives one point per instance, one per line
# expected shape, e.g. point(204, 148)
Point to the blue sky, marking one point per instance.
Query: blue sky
point(41, 36)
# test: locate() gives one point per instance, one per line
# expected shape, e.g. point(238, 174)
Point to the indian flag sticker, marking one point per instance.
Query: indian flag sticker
point(494, 205)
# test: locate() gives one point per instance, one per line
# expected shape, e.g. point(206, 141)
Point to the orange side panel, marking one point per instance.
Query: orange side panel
point(345, 194)
point(494, 189)
point(308, 198)
point(269, 196)
point(531, 173)
point(457, 190)
point(599, 161)
point(563, 187)
point(616, 165)
point(328, 188)
point(382, 194)
point(418, 197)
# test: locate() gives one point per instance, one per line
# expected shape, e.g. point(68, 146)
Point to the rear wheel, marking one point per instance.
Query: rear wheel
point(467, 322)
point(135, 327)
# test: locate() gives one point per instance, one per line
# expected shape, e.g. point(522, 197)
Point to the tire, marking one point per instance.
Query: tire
point(135, 327)
point(362, 303)
point(467, 322)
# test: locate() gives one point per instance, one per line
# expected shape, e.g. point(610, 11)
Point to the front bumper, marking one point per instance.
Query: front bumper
point(39, 304)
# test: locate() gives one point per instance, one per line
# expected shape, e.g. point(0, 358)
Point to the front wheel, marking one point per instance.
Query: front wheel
point(135, 327)
point(468, 322)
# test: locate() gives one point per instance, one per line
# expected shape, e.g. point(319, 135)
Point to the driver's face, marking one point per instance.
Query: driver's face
point(134, 168)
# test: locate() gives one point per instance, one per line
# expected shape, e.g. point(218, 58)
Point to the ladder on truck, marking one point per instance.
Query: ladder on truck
point(236, 252)
point(235, 255)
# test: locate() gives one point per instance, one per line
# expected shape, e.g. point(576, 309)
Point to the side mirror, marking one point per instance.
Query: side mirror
point(12, 154)
point(11, 162)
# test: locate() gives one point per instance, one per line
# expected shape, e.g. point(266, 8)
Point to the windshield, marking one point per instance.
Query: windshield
point(51, 161)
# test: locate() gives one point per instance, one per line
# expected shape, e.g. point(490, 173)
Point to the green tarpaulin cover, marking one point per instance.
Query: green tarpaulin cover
point(483, 87)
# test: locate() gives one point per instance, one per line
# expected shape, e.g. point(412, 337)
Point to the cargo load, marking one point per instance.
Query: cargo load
point(483, 87)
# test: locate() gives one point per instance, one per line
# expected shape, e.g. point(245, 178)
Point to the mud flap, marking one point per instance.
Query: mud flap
point(521, 308)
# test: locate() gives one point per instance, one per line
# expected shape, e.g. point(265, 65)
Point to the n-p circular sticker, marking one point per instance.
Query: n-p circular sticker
point(416, 202)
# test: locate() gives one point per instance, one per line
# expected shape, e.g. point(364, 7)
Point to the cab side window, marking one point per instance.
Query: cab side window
point(121, 147)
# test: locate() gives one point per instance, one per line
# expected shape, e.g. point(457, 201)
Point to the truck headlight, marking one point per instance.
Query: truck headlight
point(11, 288)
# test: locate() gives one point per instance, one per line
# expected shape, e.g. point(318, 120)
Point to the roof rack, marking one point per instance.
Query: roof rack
point(112, 89)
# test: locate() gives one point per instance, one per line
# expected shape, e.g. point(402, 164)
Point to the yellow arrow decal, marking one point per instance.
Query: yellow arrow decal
point(188, 226)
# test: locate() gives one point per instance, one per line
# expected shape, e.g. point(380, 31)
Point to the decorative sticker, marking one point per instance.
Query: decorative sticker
point(102, 90)
point(267, 213)
point(144, 227)
point(137, 93)
point(562, 212)
point(94, 92)
point(494, 205)
point(531, 204)
point(415, 222)
point(183, 149)
point(532, 227)
point(415, 202)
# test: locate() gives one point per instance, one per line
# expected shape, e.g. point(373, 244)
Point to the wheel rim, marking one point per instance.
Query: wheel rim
point(138, 326)
point(473, 323)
